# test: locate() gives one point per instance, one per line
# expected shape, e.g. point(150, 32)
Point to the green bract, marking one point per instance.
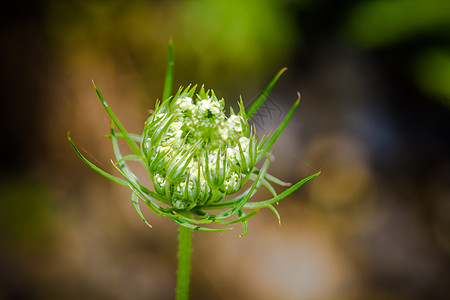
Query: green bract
point(196, 155)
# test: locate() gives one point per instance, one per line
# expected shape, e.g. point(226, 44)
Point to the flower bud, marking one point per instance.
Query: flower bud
point(197, 155)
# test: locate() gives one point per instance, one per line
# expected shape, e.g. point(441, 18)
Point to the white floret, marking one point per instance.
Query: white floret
point(204, 105)
point(147, 143)
point(185, 103)
point(160, 180)
point(232, 182)
point(244, 143)
point(234, 123)
point(176, 125)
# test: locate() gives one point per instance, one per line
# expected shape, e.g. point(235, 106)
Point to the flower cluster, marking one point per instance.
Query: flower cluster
point(195, 156)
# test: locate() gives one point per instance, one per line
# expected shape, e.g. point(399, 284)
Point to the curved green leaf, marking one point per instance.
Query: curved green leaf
point(135, 200)
point(119, 125)
point(262, 98)
point(94, 167)
point(279, 130)
point(252, 205)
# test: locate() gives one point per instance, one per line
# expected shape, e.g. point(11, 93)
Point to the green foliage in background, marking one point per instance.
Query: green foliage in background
point(383, 23)
point(223, 41)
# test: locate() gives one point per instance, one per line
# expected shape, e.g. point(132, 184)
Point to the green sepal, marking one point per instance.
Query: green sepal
point(162, 128)
point(177, 168)
point(244, 200)
point(279, 130)
point(202, 94)
point(135, 201)
point(119, 125)
point(199, 228)
point(191, 91)
point(215, 176)
point(186, 216)
point(284, 194)
point(243, 118)
point(132, 157)
point(148, 197)
point(241, 217)
point(94, 167)
point(128, 174)
point(262, 98)
point(159, 189)
point(243, 160)
point(275, 211)
point(276, 180)
point(241, 214)
point(119, 159)
point(133, 136)
point(265, 183)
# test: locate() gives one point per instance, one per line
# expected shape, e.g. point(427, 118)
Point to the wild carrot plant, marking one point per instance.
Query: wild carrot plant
point(195, 156)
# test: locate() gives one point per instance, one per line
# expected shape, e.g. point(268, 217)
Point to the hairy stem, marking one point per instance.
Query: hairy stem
point(184, 262)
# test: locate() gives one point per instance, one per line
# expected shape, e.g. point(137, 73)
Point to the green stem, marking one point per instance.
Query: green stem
point(184, 262)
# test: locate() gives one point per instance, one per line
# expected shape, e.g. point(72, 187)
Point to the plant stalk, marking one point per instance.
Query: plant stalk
point(184, 262)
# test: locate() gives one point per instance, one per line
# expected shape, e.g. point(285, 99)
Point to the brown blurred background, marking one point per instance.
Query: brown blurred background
point(374, 117)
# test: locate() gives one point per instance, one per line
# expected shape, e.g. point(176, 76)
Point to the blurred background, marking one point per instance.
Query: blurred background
point(375, 118)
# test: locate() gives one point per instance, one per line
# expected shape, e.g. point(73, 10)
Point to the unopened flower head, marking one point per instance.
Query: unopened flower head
point(197, 154)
